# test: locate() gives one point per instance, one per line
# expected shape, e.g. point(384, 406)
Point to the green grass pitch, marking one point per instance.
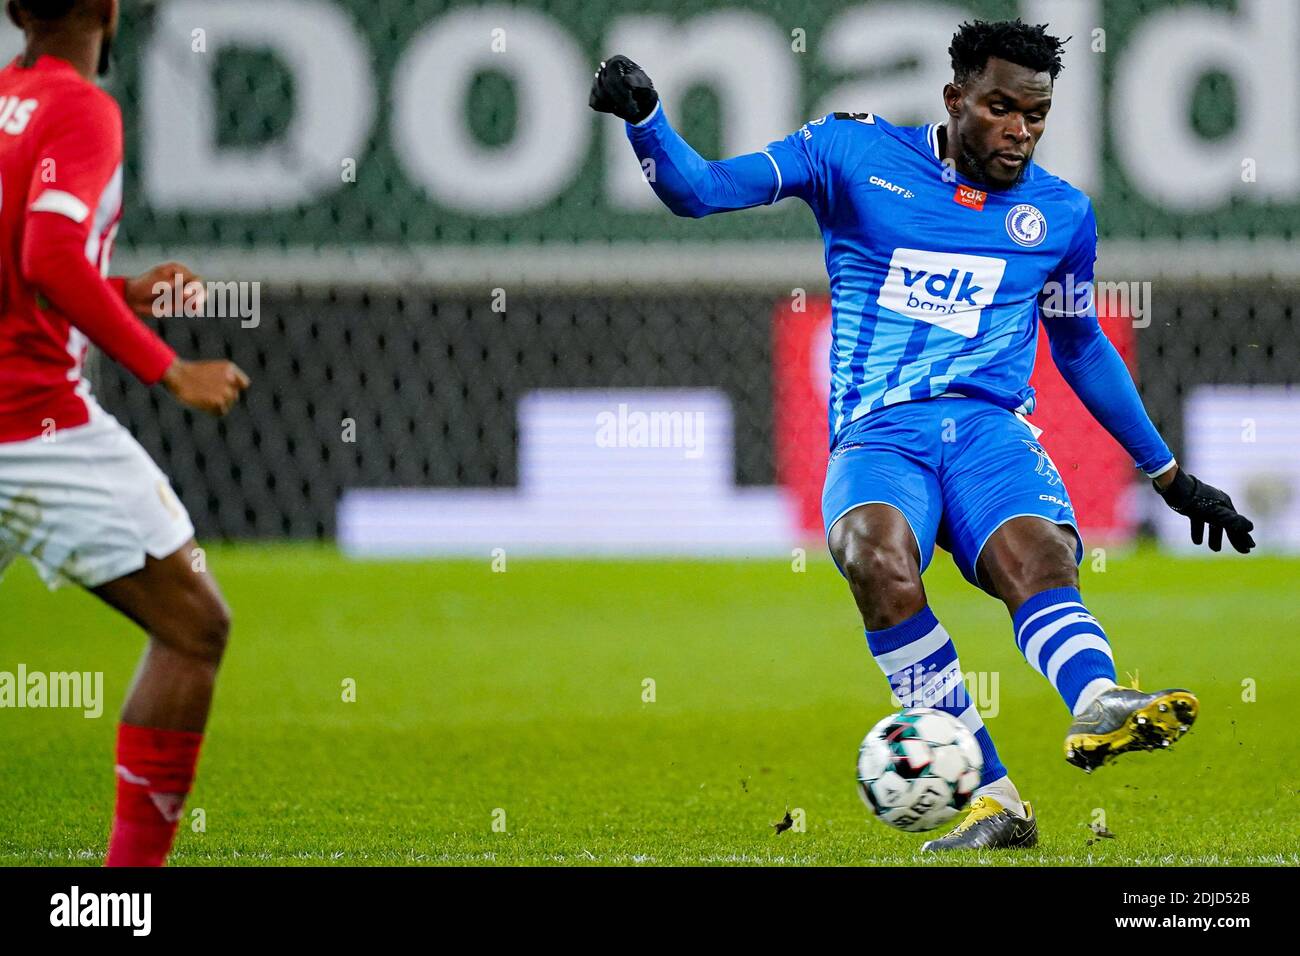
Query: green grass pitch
point(517, 698)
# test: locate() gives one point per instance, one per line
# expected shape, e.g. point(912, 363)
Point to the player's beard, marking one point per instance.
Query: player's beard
point(105, 56)
point(981, 166)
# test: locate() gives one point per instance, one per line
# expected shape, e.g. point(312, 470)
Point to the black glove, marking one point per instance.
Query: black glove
point(1206, 504)
point(622, 88)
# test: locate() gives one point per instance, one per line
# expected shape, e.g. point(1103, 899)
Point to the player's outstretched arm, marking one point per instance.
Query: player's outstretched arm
point(1094, 370)
point(1097, 374)
point(687, 183)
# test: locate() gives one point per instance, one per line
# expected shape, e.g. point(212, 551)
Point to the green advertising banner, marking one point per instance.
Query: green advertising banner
point(279, 126)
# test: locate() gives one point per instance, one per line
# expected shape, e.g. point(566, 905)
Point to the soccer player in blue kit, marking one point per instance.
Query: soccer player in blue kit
point(945, 244)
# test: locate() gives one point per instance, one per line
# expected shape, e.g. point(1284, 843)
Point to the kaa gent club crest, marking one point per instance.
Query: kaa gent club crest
point(1046, 467)
point(1026, 225)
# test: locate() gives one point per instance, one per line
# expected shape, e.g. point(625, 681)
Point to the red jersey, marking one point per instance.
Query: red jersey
point(61, 175)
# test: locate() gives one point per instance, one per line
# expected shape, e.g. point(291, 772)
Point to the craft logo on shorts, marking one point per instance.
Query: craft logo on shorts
point(1026, 225)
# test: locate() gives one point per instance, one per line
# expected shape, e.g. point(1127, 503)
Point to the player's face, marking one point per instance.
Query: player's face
point(999, 117)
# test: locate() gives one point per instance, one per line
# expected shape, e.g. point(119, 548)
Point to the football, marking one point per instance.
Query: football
point(917, 768)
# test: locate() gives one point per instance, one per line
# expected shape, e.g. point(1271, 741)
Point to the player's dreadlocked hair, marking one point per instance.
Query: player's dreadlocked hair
point(49, 9)
point(1010, 40)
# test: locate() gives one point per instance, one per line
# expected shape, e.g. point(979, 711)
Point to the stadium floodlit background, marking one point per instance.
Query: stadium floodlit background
point(468, 296)
point(441, 226)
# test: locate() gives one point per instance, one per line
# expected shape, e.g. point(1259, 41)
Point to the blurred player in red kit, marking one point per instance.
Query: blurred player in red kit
point(78, 496)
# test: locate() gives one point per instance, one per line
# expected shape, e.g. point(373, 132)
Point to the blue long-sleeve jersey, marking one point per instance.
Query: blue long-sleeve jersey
point(936, 284)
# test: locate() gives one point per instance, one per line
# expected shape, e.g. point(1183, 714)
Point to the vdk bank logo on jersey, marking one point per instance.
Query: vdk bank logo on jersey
point(946, 289)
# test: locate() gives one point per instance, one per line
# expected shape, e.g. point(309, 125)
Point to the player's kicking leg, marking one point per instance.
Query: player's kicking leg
point(1014, 534)
point(1029, 564)
point(166, 708)
point(882, 509)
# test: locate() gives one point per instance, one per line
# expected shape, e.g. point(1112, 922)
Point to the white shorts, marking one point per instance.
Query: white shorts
point(87, 506)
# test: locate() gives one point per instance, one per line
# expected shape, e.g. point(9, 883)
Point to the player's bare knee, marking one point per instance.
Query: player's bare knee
point(214, 630)
point(1055, 565)
point(1045, 579)
point(1043, 563)
point(884, 579)
point(199, 625)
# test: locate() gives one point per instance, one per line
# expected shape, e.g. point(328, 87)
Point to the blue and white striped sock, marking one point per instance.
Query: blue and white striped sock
point(920, 663)
point(1065, 644)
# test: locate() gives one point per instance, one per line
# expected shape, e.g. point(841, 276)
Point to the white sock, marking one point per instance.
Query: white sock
point(1004, 792)
point(1091, 692)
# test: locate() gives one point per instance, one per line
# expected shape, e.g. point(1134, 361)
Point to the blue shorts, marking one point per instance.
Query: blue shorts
point(957, 468)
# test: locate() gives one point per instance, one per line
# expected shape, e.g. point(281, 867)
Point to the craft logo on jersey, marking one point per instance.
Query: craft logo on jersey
point(946, 289)
point(1026, 225)
point(891, 187)
point(970, 198)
